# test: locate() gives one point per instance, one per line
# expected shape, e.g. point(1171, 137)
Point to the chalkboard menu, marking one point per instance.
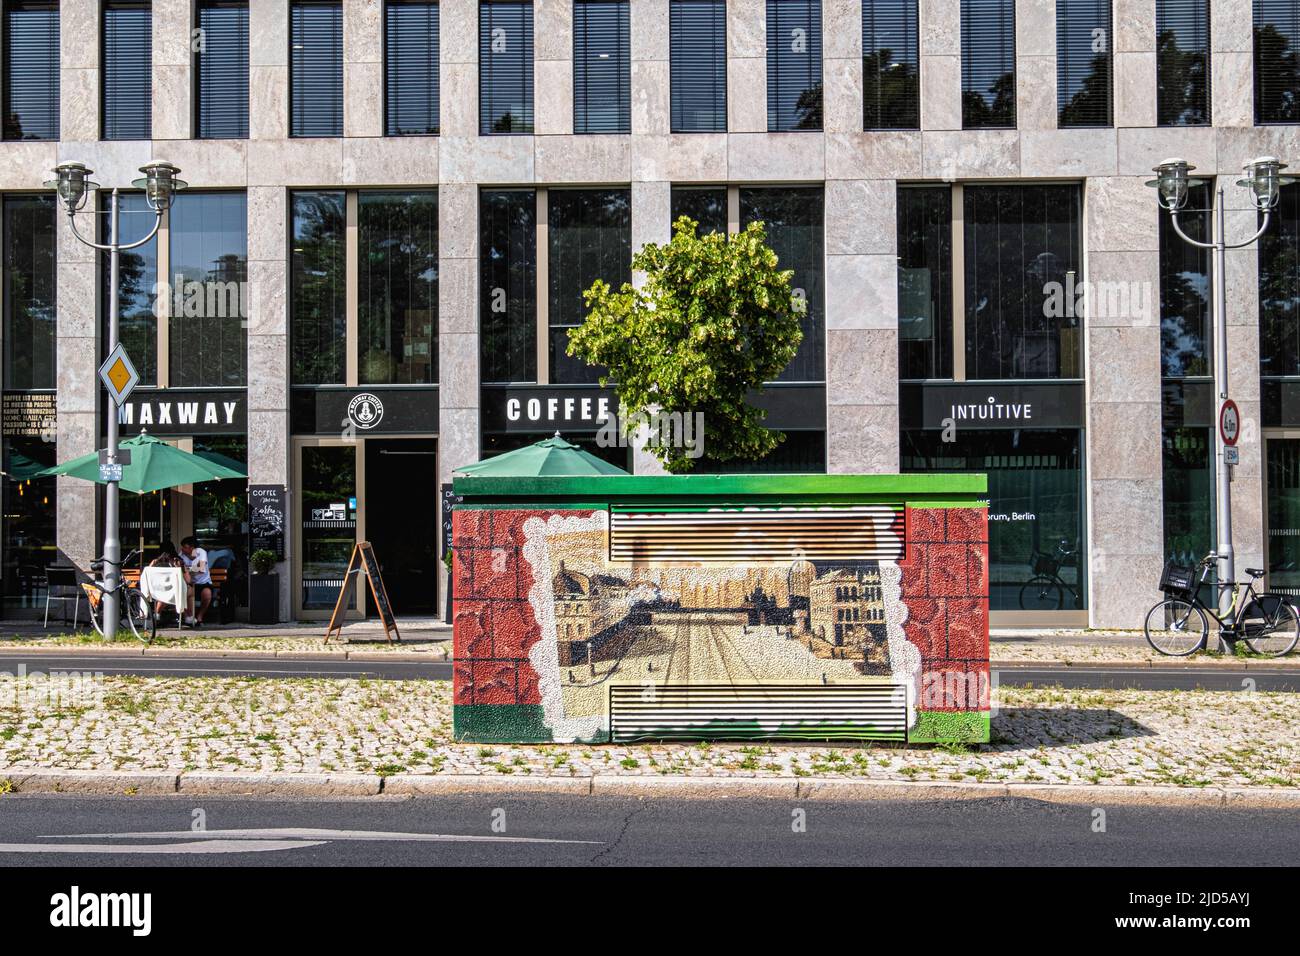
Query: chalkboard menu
point(363, 561)
point(449, 500)
point(266, 518)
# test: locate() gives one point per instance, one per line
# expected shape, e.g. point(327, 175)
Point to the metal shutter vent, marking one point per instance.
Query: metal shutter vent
point(758, 712)
point(756, 535)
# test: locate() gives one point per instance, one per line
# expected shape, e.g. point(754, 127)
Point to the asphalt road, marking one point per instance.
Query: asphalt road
point(606, 831)
point(1141, 678)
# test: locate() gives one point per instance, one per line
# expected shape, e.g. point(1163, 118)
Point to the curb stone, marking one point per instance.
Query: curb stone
point(430, 657)
point(151, 783)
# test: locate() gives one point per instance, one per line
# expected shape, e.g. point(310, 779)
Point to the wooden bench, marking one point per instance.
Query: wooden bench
point(218, 575)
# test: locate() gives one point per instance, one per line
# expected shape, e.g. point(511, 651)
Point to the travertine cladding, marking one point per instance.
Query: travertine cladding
point(859, 169)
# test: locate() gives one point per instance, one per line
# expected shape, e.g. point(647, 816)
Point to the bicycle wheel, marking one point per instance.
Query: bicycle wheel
point(1041, 593)
point(138, 614)
point(1176, 627)
point(96, 612)
point(1271, 626)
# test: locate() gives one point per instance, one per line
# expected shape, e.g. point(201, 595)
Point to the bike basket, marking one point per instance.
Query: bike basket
point(1178, 580)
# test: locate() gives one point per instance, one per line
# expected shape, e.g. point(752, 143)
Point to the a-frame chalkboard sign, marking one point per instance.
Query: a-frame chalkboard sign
point(363, 560)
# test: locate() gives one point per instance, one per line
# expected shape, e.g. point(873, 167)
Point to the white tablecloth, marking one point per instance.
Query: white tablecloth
point(166, 585)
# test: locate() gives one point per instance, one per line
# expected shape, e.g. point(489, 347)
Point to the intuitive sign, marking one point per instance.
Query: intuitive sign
point(166, 411)
point(991, 405)
point(266, 519)
point(119, 375)
point(1229, 422)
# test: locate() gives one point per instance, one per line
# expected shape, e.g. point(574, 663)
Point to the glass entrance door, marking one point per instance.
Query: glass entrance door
point(327, 479)
point(1283, 510)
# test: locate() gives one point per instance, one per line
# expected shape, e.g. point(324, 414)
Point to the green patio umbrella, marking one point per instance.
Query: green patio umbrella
point(154, 465)
point(550, 456)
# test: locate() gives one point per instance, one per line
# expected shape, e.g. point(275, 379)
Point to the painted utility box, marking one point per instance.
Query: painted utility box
point(624, 608)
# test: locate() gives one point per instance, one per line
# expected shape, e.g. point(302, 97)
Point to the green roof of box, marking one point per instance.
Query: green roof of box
point(937, 489)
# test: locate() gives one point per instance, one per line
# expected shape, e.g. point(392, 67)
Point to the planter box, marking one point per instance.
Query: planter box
point(264, 598)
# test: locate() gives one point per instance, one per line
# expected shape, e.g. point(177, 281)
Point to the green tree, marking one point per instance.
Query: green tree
point(712, 322)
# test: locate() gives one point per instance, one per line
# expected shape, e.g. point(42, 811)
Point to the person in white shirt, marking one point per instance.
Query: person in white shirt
point(200, 579)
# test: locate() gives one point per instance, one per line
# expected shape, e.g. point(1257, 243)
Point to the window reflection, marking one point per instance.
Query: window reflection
point(398, 288)
point(508, 285)
point(209, 276)
point(318, 289)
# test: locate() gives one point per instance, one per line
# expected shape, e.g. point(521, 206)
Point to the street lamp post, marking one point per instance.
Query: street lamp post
point(1172, 183)
point(74, 186)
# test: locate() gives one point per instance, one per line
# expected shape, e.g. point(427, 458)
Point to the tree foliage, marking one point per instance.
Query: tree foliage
point(713, 320)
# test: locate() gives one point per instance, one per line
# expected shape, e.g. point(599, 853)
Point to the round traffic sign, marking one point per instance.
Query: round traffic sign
point(1229, 422)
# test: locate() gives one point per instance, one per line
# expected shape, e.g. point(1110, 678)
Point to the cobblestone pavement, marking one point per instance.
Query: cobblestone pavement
point(1110, 737)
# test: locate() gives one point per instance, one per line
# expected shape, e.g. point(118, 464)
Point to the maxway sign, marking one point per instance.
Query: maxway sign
point(119, 375)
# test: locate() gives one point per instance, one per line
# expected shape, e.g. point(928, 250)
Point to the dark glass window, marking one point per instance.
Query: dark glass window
point(602, 67)
point(1188, 484)
point(1185, 290)
point(30, 509)
point(318, 289)
point(1083, 63)
point(505, 68)
point(1277, 61)
point(316, 70)
point(508, 285)
point(1279, 288)
point(707, 205)
point(925, 282)
point(1022, 249)
point(30, 286)
point(397, 319)
point(223, 71)
point(1283, 483)
point(127, 67)
point(207, 337)
point(800, 453)
point(794, 217)
point(221, 507)
point(891, 65)
point(988, 64)
point(589, 237)
point(1183, 62)
point(31, 70)
point(1035, 506)
point(794, 65)
point(411, 68)
point(137, 321)
point(697, 40)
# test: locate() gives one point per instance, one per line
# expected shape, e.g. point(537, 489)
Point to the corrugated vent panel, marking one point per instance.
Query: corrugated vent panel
point(770, 711)
point(756, 535)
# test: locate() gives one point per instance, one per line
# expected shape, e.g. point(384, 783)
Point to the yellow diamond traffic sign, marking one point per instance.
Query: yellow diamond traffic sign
point(118, 375)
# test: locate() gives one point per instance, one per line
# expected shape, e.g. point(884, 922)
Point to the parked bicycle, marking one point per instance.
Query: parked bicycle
point(1180, 624)
point(135, 609)
point(1046, 590)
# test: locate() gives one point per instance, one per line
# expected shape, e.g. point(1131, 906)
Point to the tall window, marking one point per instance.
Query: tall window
point(1183, 62)
point(1277, 61)
point(697, 40)
point(1185, 337)
point(31, 70)
point(411, 68)
point(316, 70)
point(793, 218)
point(508, 285)
point(707, 205)
point(127, 69)
point(925, 282)
point(208, 245)
point(505, 67)
point(1083, 63)
point(1022, 253)
point(988, 64)
point(891, 65)
point(397, 318)
point(318, 289)
point(602, 67)
point(29, 288)
point(794, 65)
point(223, 70)
point(137, 317)
point(590, 238)
point(1279, 289)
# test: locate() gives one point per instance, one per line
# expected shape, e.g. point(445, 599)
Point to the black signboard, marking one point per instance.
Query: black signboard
point(266, 518)
point(449, 500)
point(185, 411)
point(358, 412)
point(363, 561)
point(991, 405)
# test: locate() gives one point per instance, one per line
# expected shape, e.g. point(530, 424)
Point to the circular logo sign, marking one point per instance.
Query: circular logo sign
point(1229, 422)
point(366, 410)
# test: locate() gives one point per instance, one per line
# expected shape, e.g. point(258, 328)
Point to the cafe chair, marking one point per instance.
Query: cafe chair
point(63, 585)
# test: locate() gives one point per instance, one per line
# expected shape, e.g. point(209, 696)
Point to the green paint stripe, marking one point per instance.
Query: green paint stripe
point(940, 726)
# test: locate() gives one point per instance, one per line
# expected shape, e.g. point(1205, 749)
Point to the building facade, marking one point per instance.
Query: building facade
point(394, 208)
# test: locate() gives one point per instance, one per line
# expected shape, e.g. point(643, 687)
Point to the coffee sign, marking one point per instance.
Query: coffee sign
point(266, 518)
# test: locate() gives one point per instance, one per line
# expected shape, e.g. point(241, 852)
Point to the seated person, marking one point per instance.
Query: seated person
point(167, 558)
point(200, 579)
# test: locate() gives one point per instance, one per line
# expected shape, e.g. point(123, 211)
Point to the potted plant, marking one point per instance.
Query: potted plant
point(263, 588)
